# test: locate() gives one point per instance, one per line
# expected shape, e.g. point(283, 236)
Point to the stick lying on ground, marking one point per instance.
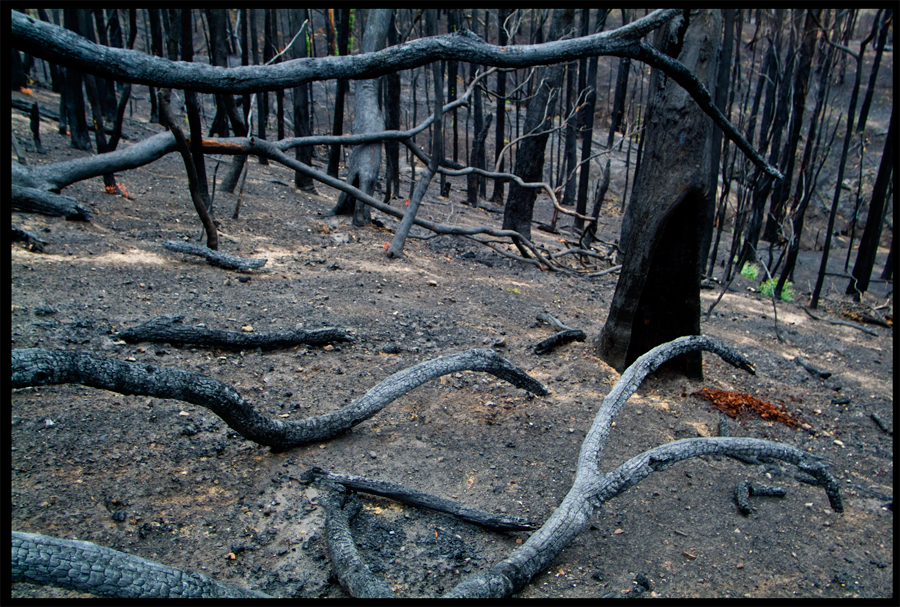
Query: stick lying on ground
point(493, 522)
point(223, 260)
point(37, 367)
point(168, 329)
point(566, 335)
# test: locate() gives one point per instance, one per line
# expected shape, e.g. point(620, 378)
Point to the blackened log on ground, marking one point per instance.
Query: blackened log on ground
point(38, 367)
point(353, 574)
point(215, 258)
point(47, 203)
point(34, 243)
point(87, 567)
point(168, 329)
point(394, 491)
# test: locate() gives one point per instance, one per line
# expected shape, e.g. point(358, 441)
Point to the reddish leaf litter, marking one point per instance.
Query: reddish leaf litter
point(742, 406)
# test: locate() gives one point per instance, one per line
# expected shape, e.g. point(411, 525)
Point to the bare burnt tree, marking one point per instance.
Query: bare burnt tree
point(300, 100)
point(842, 163)
point(886, 24)
point(618, 110)
point(343, 38)
point(391, 106)
point(74, 93)
point(500, 128)
point(868, 244)
point(586, 122)
point(530, 154)
point(658, 292)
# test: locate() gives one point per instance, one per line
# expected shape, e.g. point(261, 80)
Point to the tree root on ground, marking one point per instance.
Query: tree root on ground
point(37, 367)
point(168, 329)
point(215, 258)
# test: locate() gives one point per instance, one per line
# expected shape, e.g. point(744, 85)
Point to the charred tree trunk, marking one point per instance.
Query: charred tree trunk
point(721, 98)
point(886, 24)
point(300, 103)
point(530, 155)
point(587, 128)
point(657, 297)
point(365, 161)
point(334, 156)
point(868, 244)
point(74, 94)
point(392, 122)
point(500, 140)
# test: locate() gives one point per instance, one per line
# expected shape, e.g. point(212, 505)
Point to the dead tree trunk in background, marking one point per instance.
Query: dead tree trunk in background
point(774, 117)
point(157, 50)
point(618, 110)
point(74, 93)
point(721, 99)
point(848, 136)
point(300, 101)
point(365, 161)
point(774, 230)
point(587, 122)
point(657, 297)
point(193, 107)
point(218, 41)
point(530, 155)
point(500, 140)
point(334, 157)
point(868, 244)
point(392, 122)
point(886, 23)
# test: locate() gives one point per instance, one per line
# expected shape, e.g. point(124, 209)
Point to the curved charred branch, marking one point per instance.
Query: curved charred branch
point(37, 367)
point(168, 329)
point(215, 258)
point(47, 203)
point(587, 494)
point(394, 491)
point(66, 48)
point(560, 339)
point(591, 488)
point(56, 176)
point(87, 567)
point(353, 574)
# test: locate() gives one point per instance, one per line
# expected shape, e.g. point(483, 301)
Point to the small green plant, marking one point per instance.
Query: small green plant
point(750, 270)
point(768, 287)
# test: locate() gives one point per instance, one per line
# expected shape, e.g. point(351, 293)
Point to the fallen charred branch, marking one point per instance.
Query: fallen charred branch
point(843, 323)
point(812, 369)
point(492, 522)
point(215, 258)
point(168, 329)
point(38, 367)
point(87, 567)
point(352, 572)
point(566, 335)
point(744, 489)
point(47, 203)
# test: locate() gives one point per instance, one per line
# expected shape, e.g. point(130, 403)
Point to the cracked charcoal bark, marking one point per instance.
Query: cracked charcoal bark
point(742, 497)
point(38, 367)
point(766, 491)
point(352, 573)
point(105, 572)
point(223, 260)
point(493, 522)
point(33, 200)
point(167, 329)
